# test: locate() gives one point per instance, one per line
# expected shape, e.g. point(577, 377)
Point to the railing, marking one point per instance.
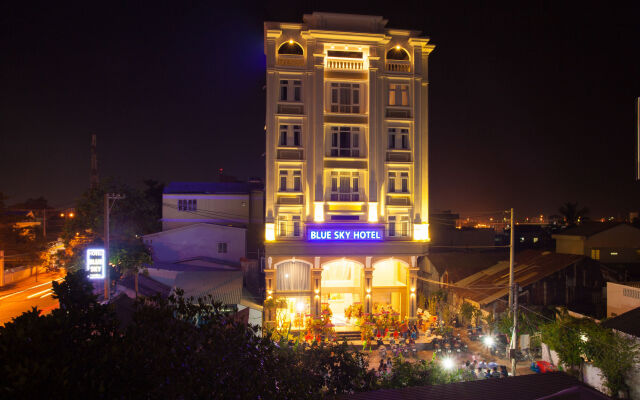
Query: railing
point(290, 154)
point(398, 66)
point(344, 64)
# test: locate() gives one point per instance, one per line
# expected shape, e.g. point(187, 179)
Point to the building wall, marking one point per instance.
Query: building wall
point(620, 244)
point(621, 298)
point(570, 245)
point(215, 208)
point(200, 240)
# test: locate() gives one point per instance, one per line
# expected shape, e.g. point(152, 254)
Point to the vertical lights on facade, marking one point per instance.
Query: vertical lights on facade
point(421, 232)
point(318, 211)
point(270, 232)
point(373, 212)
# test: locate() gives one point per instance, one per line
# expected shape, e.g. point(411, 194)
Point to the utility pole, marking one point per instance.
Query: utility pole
point(1, 268)
point(514, 335)
point(94, 180)
point(511, 261)
point(44, 224)
point(107, 210)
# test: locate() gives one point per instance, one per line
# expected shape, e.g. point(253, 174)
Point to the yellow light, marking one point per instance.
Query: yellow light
point(317, 291)
point(290, 41)
point(368, 290)
point(413, 289)
point(318, 211)
point(62, 215)
point(317, 296)
point(270, 232)
point(269, 291)
point(368, 295)
point(397, 47)
point(71, 215)
point(373, 212)
point(421, 232)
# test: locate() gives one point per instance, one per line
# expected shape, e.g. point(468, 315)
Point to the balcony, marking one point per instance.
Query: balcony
point(399, 156)
point(290, 60)
point(290, 154)
point(398, 66)
point(398, 113)
point(344, 64)
point(290, 199)
point(293, 109)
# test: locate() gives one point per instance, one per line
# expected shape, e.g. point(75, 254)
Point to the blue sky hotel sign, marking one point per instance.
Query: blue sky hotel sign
point(342, 233)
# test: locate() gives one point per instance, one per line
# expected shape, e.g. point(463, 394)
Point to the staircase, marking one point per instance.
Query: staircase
point(350, 336)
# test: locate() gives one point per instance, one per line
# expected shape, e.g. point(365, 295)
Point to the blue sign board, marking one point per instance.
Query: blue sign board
point(345, 233)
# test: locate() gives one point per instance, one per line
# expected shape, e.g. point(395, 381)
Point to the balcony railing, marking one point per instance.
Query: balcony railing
point(398, 66)
point(344, 64)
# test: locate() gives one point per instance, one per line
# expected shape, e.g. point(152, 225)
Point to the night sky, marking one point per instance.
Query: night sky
point(531, 105)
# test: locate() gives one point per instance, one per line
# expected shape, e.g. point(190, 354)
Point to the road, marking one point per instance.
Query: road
point(19, 297)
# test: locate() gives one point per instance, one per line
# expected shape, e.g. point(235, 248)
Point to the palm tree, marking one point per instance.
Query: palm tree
point(572, 214)
point(132, 257)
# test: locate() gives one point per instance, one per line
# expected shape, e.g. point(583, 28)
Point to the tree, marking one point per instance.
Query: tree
point(131, 258)
point(572, 214)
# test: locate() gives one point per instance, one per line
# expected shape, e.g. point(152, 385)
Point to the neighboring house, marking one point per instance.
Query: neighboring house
point(528, 236)
point(628, 324)
point(198, 240)
point(544, 278)
point(239, 205)
point(547, 386)
point(622, 297)
point(607, 242)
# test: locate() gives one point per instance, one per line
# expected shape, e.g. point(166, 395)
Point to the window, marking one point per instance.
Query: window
point(398, 94)
point(187, 205)
point(290, 90)
point(399, 138)
point(397, 53)
point(345, 97)
point(345, 186)
point(290, 135)
point(290, 180)
point(290, 47)
point(595, 254)
point(222, 247)
point(398, 182)
point(398, 226)
point(345, 141)
point(289, 225)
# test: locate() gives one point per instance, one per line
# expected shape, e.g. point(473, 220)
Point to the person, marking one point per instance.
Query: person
point(480, 376)
point(487, 374)
point(503, 371)
point(495, 373)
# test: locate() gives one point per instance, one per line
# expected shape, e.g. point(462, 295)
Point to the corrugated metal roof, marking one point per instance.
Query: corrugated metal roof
point(628, 322)
point(530, 266)
point(462, 264)
point(223, 286)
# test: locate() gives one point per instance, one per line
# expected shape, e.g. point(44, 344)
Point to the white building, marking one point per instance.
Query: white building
point(346, 164)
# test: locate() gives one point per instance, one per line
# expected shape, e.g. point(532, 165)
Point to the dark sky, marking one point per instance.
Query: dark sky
point(531, 105)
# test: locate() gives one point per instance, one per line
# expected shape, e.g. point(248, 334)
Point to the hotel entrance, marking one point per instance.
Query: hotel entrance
point(342, 292)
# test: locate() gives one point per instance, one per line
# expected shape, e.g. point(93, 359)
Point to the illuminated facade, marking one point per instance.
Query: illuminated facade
point(346, 164)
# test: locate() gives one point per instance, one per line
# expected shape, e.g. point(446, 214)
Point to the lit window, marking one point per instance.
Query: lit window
point(398, 226)
point(535, 240)
point(187, 205)
point(345, 141)
point(289, 225)
point(345, 97)
point(398, 182)
point(290, 90)
point(399, 138)
point(595, 254)
point(398, 94)
point(345, 186)
point(290, 135)
point(397, 53)
point(614, 253)
point(290, 180)
point(222, 247)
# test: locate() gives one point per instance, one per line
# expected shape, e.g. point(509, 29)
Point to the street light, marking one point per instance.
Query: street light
point(448, 364)
point(489, 341)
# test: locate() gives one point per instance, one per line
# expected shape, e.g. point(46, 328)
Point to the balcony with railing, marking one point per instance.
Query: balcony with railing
point(344, 64)
point(401, 66)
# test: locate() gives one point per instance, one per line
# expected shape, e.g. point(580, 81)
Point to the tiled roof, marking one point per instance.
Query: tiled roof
point(209, 188)
point(588, 229)
point(524, 387)
point(459, 265)
point(628, 322)
point(147, 287)
point(223, 286)
point(530, 266)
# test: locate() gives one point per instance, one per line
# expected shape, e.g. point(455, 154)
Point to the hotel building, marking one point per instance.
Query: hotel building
point(346, 191)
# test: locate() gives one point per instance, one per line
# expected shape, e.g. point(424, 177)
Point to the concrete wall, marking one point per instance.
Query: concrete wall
point(217, 208)
point(199, 240)
point(621, 298)
point(17, 274)
point(570, 245)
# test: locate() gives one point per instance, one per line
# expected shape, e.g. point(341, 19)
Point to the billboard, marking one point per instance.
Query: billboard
point(96, 263)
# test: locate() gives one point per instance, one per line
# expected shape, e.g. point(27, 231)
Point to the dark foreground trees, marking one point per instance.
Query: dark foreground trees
point(172, 349)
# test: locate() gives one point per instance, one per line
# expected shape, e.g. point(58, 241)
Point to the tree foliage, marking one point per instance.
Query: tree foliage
point(572, 213)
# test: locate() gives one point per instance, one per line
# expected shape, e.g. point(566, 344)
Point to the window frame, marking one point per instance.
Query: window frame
point(398, 91)
point(344, 186)
point(289, 225)
point(398, 182)
point(290, 90)
point(292, 179)
point(289, 134)
point(338, 146)
point(342, 98)
point(223, 248)
point(399, 137)
point(187, 205)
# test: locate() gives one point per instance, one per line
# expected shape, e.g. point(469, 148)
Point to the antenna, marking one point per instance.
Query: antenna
point(93, 182)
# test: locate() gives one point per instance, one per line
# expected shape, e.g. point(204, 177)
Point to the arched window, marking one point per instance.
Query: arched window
point(341, 273)
point(290, 47)
point(397, 53)
point(389, 273)
point(293, 275)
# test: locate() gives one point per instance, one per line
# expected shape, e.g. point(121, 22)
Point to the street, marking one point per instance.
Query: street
point(19, 297)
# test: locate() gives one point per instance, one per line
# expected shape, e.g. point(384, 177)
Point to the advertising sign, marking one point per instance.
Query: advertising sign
point(360, 233)
point(95, 263)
